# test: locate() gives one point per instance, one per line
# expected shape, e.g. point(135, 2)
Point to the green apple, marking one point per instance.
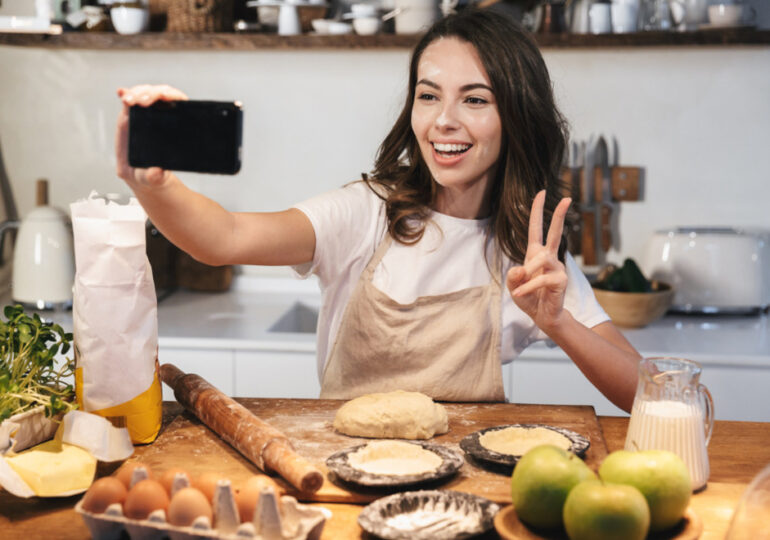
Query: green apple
point(660, 475)
point(598, 511)
point(541, 482)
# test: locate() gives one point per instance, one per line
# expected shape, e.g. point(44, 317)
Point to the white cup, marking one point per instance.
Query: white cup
point(416, 15)
point(288, 20)
point(130, 20)
point(623, 16)
point(366, 26)
point(599, 19)
point(725, 15)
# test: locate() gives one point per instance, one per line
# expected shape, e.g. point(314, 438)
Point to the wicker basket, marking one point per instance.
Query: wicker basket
point(199, 15)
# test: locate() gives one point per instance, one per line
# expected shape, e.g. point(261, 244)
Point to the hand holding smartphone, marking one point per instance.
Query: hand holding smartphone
point(194, 136)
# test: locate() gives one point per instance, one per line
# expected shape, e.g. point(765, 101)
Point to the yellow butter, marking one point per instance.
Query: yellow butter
point(54, 467)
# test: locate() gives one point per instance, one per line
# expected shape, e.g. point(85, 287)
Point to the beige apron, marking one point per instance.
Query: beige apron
point(446, 346)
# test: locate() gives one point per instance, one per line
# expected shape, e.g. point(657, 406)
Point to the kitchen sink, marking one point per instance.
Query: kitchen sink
point(299, 318)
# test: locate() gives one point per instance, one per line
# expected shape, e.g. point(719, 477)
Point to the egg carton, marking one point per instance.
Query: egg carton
point(274, 518)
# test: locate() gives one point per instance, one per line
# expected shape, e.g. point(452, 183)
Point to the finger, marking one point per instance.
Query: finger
point(121, 142)
point(514, 277)
point(145, 94)
point(169, 93)
point(155, 175)
point(542, 261)
point(557, 225)
point(552, 280)
point(536, 219)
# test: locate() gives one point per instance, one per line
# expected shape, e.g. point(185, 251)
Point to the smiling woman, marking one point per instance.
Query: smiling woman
point(464, 197)
point(457, 126)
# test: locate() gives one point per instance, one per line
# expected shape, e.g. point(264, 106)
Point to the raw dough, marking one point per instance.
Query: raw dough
point(392, 415)
point(394, 458)
point(516, 441)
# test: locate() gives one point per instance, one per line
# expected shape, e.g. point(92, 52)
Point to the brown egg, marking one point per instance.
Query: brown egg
point(248, 495)
point(127, 470)
point(207, 483)
point(144, 498)
point(187, 505)
point(102, 493)
point(167, 478)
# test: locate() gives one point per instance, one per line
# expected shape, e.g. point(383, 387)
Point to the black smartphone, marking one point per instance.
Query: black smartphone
point(196, 136)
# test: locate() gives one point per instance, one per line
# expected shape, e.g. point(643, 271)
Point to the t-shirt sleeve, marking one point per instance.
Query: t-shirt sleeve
point(579, 300)
point(343, 221)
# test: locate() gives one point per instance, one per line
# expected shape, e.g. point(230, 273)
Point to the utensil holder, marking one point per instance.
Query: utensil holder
point(200, 15)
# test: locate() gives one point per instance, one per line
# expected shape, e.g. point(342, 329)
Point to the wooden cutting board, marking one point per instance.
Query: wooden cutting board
point(188, 444)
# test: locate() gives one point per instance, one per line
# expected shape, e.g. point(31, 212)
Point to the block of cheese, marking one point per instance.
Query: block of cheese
point(54, 468)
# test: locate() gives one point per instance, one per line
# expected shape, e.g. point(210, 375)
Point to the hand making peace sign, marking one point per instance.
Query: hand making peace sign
point(538, 285)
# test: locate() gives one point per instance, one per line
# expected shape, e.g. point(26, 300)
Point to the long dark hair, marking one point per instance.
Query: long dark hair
point(534, 136)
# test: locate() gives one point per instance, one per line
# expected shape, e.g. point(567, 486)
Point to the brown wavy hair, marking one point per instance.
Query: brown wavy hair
point(534, 136)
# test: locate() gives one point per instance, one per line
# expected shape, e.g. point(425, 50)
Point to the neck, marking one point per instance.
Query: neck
point(472, 203)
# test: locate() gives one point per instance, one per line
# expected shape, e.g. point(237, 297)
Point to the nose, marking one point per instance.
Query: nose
point(447, 117)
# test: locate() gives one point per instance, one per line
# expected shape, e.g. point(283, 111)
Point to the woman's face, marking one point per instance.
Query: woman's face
point(457, 125)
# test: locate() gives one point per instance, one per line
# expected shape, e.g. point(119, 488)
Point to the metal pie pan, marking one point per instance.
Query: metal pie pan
point(473, 447)
point(428, 515)
point(451, 461)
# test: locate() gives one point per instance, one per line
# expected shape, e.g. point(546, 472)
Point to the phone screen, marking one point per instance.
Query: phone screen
point(197, 136)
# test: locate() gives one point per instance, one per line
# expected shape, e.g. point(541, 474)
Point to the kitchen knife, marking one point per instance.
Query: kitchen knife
point(570, 176)
point(588, 242)
point(261, 443)
point(603, 190)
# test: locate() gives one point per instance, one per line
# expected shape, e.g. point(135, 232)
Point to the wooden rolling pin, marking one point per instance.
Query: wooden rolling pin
point(261, 443)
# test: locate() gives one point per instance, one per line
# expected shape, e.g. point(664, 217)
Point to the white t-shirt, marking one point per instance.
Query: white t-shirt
point(350, 223)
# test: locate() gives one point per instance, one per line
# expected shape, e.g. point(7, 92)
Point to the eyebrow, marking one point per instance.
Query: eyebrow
point(464, 88)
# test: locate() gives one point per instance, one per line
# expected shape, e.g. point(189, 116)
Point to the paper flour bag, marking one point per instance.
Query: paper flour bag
point(115, 317)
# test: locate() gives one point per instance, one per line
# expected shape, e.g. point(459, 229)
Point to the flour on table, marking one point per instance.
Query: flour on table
point(395, 458)
point(392, 415)
point(517, 441)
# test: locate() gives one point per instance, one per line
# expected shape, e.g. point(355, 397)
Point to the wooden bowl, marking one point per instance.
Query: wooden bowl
point(634, 310)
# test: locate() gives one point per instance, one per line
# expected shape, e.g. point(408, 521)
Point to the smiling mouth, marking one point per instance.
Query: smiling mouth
point(450, 150)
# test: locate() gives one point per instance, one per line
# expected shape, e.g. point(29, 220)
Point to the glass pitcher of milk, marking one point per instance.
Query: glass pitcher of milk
point(673, 411)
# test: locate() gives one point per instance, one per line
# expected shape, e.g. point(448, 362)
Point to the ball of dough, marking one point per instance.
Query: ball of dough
point(392, 415)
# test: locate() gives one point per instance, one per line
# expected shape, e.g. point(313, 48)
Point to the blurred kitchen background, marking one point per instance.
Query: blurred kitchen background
point(695, 118)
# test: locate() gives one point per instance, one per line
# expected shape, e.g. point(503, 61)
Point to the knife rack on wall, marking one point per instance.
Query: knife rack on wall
point(595, 231)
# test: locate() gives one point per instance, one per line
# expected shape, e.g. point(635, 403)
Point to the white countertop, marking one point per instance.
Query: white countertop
point(241, 318)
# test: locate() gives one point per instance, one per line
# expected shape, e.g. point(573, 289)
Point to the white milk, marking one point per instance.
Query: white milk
point(674, 426)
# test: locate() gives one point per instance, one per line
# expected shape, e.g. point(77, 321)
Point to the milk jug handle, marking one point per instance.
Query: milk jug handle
point(708, 411)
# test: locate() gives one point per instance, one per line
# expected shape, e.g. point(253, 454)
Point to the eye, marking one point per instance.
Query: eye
point(474, 100)
point(426, 96)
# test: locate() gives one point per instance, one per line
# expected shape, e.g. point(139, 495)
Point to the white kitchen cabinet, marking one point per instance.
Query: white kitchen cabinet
point(555, 380)
point(272, 374)
point(740, 391)
point(214, 365)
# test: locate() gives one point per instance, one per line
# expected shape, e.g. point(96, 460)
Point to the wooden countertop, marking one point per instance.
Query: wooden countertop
point(737, 452)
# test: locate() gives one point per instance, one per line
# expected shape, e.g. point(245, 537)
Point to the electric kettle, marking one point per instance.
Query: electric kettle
point(43, 260)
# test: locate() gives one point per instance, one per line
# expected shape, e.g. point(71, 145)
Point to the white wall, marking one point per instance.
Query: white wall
point(696, 118)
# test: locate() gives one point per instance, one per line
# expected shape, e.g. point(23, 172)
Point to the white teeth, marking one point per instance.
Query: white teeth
point(451, 147)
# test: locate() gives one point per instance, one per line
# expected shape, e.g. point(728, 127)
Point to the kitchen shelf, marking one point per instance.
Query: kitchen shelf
point(164, 41)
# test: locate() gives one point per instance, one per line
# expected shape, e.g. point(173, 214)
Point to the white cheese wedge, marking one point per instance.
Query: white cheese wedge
point(53, 468)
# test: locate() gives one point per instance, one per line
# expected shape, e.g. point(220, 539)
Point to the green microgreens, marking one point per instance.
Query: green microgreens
point(28, 373)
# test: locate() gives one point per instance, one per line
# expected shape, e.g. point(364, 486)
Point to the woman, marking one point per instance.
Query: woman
point(411, 261)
